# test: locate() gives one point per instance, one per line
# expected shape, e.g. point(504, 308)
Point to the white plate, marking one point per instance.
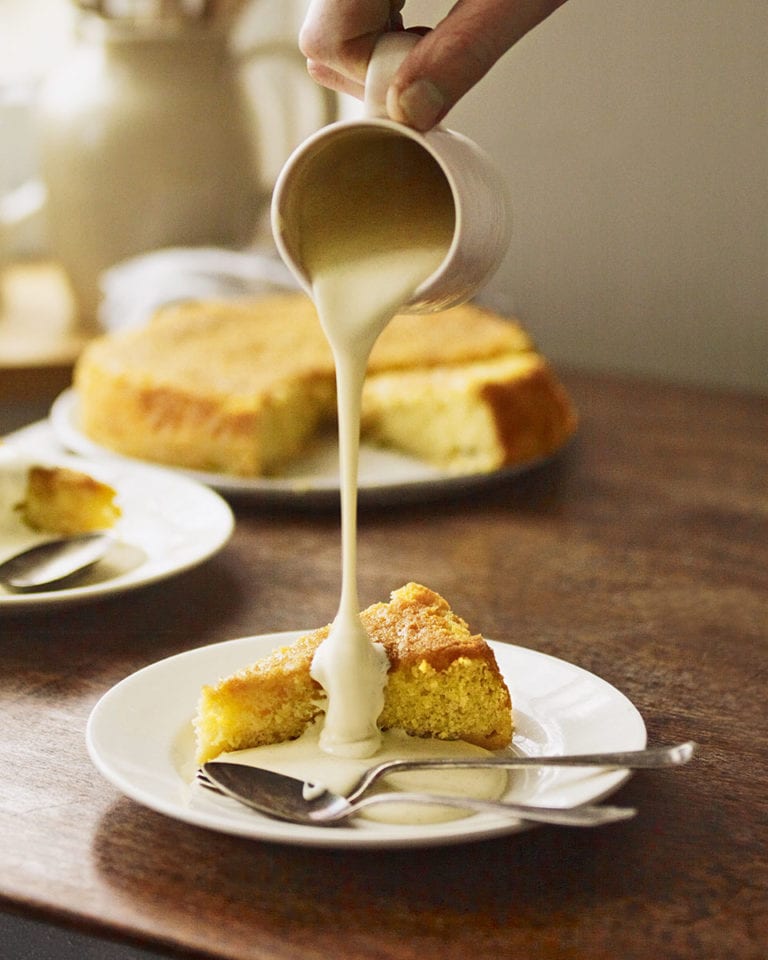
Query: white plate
point(140, 738)
point(384, 475)
point(168, 524)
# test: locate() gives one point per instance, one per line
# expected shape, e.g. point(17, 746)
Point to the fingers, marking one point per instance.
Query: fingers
point(338, 36)
point(460, 50)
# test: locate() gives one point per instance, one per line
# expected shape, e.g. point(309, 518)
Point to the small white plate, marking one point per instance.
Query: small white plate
point(168, 524)
point(140, 738)
point(313, 479)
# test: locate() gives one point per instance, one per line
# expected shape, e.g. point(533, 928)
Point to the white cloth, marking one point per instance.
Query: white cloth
point(134, 289)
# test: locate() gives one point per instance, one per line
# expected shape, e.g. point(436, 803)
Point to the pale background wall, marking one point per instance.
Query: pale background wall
point(634, 137)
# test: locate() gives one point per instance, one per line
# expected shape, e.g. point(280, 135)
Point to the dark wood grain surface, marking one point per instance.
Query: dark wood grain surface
point(641, 554)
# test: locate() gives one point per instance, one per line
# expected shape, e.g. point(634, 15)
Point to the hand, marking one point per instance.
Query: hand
point(338, 36)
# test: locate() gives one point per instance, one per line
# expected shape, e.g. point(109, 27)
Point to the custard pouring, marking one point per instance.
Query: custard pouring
point(464, 183)
point(372, 217)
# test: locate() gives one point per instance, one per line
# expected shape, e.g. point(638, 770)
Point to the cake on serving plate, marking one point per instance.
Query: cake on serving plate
point(443, 682)
point(241, 387)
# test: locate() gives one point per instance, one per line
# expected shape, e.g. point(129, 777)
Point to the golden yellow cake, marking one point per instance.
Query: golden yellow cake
point(66, 501)
point(242, 387)
point(443, 682)
point(472, 418)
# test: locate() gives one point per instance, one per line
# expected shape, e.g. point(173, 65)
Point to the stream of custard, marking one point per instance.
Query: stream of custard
point(366, 249)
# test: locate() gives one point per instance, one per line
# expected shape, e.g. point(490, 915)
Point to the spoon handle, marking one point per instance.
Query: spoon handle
point(647, 759)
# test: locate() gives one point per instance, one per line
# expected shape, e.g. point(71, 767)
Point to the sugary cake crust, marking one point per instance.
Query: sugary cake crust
point(418, 625)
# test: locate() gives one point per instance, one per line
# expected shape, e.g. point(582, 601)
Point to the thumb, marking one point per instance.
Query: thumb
point(450, 59)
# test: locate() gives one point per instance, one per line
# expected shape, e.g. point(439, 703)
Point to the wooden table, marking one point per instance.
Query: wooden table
point(641, 555)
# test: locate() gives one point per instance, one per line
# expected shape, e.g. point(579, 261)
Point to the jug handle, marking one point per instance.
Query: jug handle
point(329, 107)
point(390, 51)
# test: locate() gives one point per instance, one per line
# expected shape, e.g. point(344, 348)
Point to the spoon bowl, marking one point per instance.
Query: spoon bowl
point(50, 563)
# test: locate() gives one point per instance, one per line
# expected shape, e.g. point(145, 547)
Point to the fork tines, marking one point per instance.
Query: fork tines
point(205, 781)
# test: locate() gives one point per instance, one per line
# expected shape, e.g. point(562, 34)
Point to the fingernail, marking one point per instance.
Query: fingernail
point(421, 105)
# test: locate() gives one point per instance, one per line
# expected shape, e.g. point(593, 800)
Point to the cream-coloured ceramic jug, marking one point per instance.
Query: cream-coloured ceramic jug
point(320, 172)
point(146, 142)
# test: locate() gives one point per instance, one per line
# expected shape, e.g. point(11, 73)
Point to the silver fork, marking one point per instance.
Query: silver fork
point(286, 798)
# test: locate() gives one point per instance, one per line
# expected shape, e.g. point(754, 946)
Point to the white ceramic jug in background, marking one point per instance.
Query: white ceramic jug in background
point(146, 141)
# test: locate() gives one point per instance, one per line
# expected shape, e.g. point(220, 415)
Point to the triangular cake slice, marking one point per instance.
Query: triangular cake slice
point(443, 682)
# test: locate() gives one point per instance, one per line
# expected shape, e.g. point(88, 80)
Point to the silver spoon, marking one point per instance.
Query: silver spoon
point(286, 798)
point(648, 759)
point(46, 564)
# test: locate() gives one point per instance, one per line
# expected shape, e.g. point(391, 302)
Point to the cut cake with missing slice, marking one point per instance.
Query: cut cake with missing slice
point(242, 388)
point(443, 682)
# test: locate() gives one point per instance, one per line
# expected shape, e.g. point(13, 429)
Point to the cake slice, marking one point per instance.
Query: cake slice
point(443, 682)
point(65, 501)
